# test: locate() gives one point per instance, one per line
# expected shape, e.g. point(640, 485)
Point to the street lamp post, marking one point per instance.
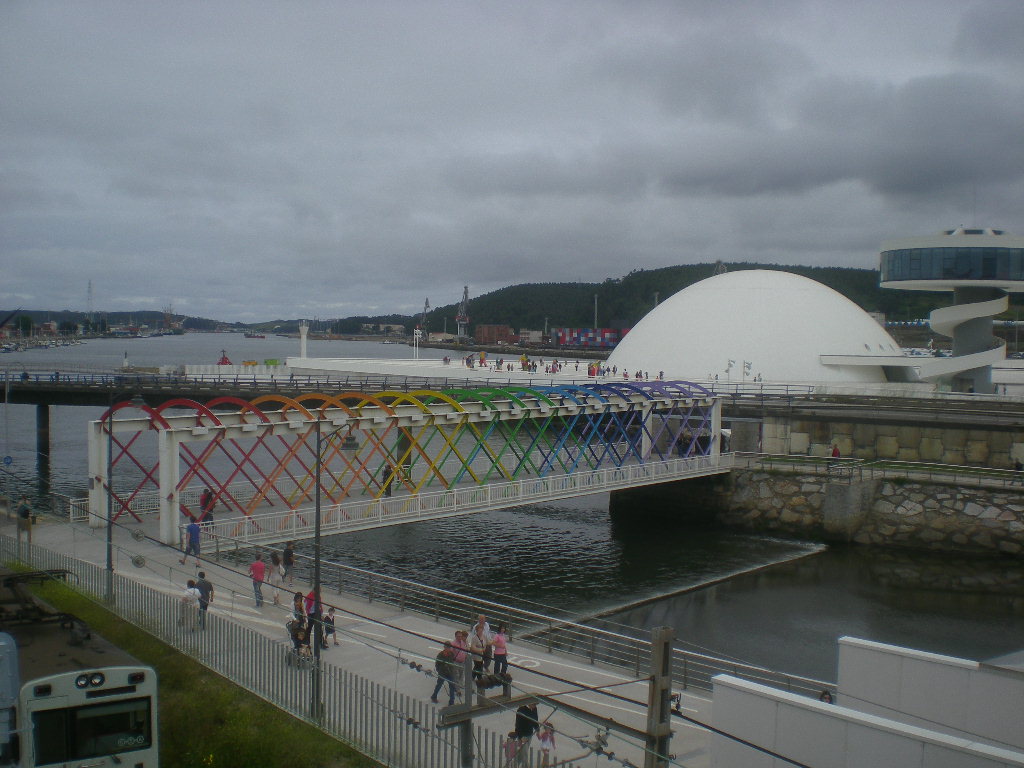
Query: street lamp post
point(110, 501)
point(317, 604)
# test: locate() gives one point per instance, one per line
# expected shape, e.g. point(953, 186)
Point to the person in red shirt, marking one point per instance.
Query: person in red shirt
point(257, 571)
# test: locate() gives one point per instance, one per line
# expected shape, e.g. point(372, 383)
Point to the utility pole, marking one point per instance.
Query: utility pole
point(659, 699)
point(655, 738)
point(595, 312)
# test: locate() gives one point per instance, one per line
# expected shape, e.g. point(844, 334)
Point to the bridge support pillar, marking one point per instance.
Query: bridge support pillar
point(846, 506)
point(43, 447)
point(98, 448)
point(167, 450)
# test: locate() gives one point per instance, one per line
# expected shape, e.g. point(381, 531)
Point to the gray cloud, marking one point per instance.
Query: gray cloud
point(249, 161)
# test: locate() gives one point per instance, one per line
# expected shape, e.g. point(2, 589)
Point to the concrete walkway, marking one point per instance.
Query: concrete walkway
point(377, 641)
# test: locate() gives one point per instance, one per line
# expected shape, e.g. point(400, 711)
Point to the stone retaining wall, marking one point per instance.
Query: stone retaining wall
point(888, 513)
point(995, 448)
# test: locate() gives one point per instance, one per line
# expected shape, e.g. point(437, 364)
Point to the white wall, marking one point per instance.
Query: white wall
point(831, 736)
point(941, 692)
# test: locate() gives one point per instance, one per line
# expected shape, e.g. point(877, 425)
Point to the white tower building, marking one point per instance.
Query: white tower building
point(981, 267)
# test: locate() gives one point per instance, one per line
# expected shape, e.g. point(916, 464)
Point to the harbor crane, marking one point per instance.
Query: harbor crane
point(462, 316)
point(423, 316)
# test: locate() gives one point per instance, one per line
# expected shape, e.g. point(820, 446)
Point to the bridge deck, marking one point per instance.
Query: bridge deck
point(377, 639)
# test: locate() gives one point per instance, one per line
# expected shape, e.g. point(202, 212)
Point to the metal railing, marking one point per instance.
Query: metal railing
point(554, 631)
point(850, 469)
point(388, 725)
point(357, 515)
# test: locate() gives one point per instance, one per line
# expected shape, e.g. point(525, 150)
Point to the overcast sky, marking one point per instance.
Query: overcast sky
point(249, 161)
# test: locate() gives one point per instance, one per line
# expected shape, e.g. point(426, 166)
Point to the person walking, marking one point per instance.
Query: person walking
point(483, 630)
point(500, 645)
point(205, 597)
point(207, 502)
point(189, 606)
point(444, 665)
point(288, 561)
point(479, 643)
point(192, 534)
point(546, 737)
point(329, 633)
point(24, 514)
point(527, 724)
point(257, 571)
point(299, 608)
point(313, 609)
point(275, 576)
point(834, 456)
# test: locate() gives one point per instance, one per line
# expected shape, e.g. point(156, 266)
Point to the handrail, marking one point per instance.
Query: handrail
point(357, 515)
point(554, 630)
point(884, 469)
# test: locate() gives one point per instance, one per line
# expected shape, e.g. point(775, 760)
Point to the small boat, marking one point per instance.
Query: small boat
point(224, 358)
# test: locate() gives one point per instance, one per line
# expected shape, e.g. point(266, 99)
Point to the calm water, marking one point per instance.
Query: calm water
point(570, 556)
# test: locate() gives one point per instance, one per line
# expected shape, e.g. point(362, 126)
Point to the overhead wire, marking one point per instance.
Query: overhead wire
point(599, 690)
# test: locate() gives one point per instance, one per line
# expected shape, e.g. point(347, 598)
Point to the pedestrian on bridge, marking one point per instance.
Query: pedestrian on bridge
point(189, 606)
point(298, 608)
point(479, 646)
point(258, 571)
point(288, 561)
point(500, 645)
point(192, 533)
point(480, 634)
point(444, 665)
point(275, 576)
point(207, 502)
point(460, 645)
point(205, 597)
point(24, 514)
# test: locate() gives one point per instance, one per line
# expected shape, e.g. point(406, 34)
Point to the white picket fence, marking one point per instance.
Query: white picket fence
point(387, 725)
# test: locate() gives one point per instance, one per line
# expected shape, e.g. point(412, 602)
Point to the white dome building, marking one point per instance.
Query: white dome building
point(787, 327)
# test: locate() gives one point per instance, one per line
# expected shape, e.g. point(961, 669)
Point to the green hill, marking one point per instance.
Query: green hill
point(622, 302)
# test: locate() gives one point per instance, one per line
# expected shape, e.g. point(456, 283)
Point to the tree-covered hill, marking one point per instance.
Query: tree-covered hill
point(622, 302)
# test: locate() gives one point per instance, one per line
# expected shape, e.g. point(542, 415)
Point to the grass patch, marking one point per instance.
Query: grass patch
point(205, 719)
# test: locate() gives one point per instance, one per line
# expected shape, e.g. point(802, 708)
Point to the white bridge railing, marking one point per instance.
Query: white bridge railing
point(373, 513)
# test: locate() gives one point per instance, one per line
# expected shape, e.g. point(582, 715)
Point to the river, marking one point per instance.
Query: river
point(773, 602)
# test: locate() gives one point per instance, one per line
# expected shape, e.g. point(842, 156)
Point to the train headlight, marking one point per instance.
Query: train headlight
point(82, 681)
point(97, 678)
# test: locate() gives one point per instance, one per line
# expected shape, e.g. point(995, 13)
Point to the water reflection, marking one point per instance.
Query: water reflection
point(789, 616)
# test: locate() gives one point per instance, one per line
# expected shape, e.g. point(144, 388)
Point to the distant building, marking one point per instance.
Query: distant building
point(442, 337)
point(527, 336)
point(762, 325)
point(980, 267)
point(493, 334)
point(388, 329)
point(600, 338)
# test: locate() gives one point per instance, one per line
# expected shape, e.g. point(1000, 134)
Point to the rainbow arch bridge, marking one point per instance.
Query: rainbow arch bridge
point(367, 460)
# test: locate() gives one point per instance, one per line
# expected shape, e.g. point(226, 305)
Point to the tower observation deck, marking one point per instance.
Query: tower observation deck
point(981, 267)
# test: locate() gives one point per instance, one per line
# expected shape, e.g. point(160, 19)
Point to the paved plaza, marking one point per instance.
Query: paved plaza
point(378, 641)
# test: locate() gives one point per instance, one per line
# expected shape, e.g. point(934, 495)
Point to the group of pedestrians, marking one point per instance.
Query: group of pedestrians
point(485, 646)
point(195, 603)
point(307, 622)
point(278, 573)
point(517, 744)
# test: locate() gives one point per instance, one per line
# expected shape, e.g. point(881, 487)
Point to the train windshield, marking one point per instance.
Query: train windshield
point(76, 733)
